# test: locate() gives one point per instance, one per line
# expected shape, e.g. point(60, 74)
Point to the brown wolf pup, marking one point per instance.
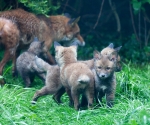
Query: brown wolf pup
point(76, 77)
point(104, 74)
point(55, 28)
point(52, 80)
point(25, 63)
point(109, 50)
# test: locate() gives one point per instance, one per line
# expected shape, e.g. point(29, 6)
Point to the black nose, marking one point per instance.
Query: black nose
point(103, 76)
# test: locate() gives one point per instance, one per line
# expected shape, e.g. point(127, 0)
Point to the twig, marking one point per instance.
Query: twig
point(147, 38)
point(134, 26)
point(65, 6)
point(99, 15)
point(116, 16)
point(139, 25)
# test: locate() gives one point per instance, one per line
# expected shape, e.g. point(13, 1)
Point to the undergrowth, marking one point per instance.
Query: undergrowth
point(132, 104)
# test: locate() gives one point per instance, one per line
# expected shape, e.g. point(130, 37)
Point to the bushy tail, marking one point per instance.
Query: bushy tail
point(84, 79)
point(41, 64)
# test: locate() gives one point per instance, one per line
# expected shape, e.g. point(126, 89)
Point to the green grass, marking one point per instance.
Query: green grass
point(132, 103)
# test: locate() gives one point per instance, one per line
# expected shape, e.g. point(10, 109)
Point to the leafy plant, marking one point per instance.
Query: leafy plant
point(40, 6)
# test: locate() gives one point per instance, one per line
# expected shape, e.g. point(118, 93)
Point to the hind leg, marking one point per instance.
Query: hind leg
point(58, 94)
point(44, 91)
point(6, 58)
point(90, 97)
point(75, 96)
point(68, 91)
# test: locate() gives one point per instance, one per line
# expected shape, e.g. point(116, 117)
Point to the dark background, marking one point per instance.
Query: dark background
point(99, 25)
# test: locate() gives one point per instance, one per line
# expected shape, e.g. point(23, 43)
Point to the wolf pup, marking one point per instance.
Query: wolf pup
point(27, 25)
point(109, 50)
point(52, 80)
point(76, 77)
point(105, 79)
point(25, 63)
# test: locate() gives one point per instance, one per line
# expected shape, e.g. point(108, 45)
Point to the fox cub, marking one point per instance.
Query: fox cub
point(25, 63)
point(52, 80)
point(109, 50)
point(105, 79)
point(76, 77)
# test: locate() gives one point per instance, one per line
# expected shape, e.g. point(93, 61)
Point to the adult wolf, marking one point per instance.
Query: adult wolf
point(55, 28)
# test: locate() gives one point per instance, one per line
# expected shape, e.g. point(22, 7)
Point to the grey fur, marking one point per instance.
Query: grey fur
point(105, 79)
point(25, 63)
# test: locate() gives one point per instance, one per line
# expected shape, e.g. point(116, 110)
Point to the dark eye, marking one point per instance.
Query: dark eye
point(108, 68)
point(99, 67)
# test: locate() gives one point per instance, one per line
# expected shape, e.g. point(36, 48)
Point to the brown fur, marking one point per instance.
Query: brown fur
point(110, 49)
point(58, 28)
point(105, 80)
point(52, 81)
point(9, 38)
point(76, 77)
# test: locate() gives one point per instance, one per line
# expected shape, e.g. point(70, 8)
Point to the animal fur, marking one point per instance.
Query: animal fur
point(110, 49)
point(55, 28)
point(9, 38)
point(105, 79)
point(52, 81)
point(76, 77)
point(25, 63)
point(47, 89)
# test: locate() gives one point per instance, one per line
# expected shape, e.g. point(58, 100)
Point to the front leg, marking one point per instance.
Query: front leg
point(110, 95)
point(50, 58)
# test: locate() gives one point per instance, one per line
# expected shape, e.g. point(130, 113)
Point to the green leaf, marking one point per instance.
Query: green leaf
point(137, 5)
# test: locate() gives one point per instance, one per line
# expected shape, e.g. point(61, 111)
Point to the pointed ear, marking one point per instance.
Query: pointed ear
point(113, 56)
point(97, 55)
point(111, 45)
point(56, 44)
point(118, 48)
point(72, 22)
